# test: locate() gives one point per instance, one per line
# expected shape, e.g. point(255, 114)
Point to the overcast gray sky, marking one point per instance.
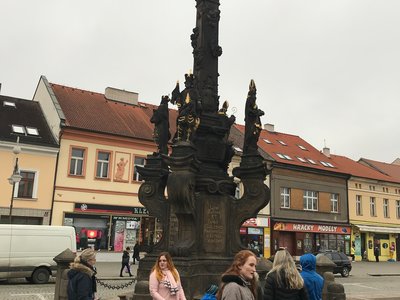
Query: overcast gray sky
point(324, 70)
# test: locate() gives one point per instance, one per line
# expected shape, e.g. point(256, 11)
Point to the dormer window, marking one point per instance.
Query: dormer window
point(267, 141)
point(282, 143)
point(301, 159)
point(284, 156)
point(327, 164)
point(302, 147)
point(18, 129)
point(32, 131)
point(9, 104)
point(311, 161)
point(280, 155)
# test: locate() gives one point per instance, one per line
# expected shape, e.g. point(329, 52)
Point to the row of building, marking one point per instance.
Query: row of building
point(78, 156)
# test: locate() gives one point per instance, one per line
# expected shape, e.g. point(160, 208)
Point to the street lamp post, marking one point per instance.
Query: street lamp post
point(15, 177)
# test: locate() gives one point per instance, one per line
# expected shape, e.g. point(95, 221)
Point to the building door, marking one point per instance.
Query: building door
point(385, 248)
point(286, 239)
point(363, 246)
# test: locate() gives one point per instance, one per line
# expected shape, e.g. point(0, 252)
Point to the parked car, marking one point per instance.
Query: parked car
point(342, 262)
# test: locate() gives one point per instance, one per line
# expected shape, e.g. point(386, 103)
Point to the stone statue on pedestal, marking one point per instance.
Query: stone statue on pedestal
point(160, 119)
point(252, 120)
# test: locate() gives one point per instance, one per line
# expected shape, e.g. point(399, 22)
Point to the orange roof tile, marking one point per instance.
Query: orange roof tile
point(92, 111)
point(293, 150)
point(392, 170)
point(357, 169)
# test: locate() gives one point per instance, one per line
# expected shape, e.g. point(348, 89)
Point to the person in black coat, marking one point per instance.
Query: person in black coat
point(82, 277)
point(284, 281)
point(376, 253)
point(125, 262)
point(136, 252)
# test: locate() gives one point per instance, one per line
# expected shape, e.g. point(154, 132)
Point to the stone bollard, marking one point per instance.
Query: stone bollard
point(328, 279)
point(141, 292)
point(63, 260)
point(263, 267)
point(336, 291)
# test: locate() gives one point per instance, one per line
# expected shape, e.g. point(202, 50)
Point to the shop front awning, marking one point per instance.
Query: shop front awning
point(379, 229)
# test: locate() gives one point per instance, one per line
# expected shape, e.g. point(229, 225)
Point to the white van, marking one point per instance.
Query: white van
point(28, 250)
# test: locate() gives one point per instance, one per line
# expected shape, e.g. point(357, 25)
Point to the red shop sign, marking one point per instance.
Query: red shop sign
point(301, 227)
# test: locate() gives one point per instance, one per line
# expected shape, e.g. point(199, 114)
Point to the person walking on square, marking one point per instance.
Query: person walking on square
point(312, 280)
point(125, 262)
point(136, 252)
point(352, 252)
point(392, 248)
point(376, 253)
point(164, 281)
point(284, 282)
point(239, 282)
point(82, 277)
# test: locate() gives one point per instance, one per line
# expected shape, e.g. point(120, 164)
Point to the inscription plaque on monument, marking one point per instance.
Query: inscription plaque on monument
point(213, 230)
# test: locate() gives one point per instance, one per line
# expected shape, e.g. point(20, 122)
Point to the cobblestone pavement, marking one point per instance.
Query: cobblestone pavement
point(367, 281)
point(19, 289)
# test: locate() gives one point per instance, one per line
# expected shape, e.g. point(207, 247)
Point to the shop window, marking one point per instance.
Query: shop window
point(285, 197)
point(398, 209)
point(139, 162)
point(372, 206)
point(334, 203)
point(310, 200)
point(358, 205)
point(386, 208)
point(26, 188)
point(103, 164)
point(331, 242)
point(77, 160)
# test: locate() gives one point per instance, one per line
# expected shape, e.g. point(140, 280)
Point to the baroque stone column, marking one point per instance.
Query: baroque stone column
point(190, 190)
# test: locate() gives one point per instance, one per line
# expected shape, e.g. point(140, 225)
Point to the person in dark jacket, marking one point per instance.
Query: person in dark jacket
point(376, 253)
point(125, 262)
point(284, 282)
point(136, 252)
point(312, 280)
point(82, 277)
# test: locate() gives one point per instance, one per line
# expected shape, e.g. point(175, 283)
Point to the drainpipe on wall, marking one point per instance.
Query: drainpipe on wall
point(54, 188)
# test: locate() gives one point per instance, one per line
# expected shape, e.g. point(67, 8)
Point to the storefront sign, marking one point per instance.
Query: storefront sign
point(299, 227)
point(243, 230)
point(84, 207)
point(255, 231)
point(256, 222)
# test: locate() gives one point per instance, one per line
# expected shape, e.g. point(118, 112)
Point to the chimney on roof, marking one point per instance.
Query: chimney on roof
point(269, 127)
point(121, 96)
point(326, 151)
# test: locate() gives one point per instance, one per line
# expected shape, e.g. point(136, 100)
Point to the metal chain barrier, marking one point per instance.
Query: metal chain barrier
point(115, 287)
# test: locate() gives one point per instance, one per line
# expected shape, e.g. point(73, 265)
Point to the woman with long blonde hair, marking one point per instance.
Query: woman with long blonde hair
point(284, 281)
point(239, 282)
point(164, 282)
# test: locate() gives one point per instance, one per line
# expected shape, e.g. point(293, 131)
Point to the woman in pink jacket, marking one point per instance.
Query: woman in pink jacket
point(164, 282)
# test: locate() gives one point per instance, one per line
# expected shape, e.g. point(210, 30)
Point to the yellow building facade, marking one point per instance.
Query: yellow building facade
point(374, 208)
point(37, 157)
point(102, 138)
